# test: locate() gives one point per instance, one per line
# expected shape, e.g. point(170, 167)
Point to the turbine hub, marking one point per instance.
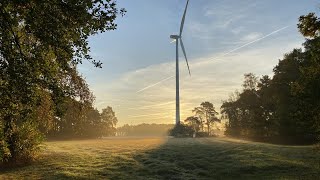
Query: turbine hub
point(174, 37)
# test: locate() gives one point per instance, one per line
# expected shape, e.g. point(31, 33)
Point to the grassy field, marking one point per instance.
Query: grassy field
point(163, 158)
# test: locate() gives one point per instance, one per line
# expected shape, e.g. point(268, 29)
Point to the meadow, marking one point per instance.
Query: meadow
point(169, 158)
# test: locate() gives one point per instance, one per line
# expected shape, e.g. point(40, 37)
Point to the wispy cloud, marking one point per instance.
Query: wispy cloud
point(216, 36)
point(254, 41)
point(212, 81)
point(221, 17)
point(250, 36)
point(237, 30)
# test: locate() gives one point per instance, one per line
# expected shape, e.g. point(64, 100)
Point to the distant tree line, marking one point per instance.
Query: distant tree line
point(284, 108)
point(81, 121)
point(144, 130)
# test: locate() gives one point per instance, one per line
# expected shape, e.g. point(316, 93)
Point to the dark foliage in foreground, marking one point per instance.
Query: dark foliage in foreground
point(41, 43)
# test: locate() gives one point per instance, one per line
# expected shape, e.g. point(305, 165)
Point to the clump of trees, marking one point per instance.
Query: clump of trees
point(205, 116)
point(199, 125)
point(83, 121)
point(41, 43)
point(181, 130)
point(286, 107)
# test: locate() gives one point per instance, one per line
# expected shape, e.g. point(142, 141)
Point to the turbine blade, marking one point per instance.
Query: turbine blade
point(185, 55)
point(183, 18)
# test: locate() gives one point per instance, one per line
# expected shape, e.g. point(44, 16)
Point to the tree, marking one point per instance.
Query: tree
point(109, 121)
point(307, 88)
point(309, 25)
point(199, 114)
point(229, 112)
point(92, 126)
point(193, 122)
point(286, 107)
point(250, 82)
point(207, 112)
point(283, 109)
point(41, 44)
point(244, 111)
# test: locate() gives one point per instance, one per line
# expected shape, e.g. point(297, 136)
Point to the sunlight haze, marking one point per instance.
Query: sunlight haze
point(138, 74)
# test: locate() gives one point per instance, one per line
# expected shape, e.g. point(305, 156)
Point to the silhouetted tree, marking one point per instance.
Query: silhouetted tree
point(193, 122)
point(207, 113)
point(285, 107)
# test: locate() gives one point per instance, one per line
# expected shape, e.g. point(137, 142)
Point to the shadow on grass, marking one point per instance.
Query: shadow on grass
point(216, 159)
point(204, 158)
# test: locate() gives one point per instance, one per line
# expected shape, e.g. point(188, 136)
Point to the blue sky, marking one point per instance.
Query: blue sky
point(139, 54)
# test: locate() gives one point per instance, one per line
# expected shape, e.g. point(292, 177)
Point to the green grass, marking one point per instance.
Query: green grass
point(162, 158)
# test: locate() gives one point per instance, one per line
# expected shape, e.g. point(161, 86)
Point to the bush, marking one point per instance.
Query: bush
point(4, 151)
point(181, 130)
point(21, 145)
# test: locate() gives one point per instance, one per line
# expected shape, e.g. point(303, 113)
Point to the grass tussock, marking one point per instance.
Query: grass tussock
point(161, 158)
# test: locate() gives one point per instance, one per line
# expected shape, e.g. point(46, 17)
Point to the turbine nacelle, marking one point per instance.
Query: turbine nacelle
point(175, 37)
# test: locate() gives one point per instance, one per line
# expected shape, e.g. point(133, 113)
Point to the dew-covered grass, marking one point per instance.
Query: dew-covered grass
point(169, 158)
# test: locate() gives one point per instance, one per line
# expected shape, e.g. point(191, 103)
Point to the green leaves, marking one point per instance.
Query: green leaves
point(284, 108)
point(309, 25)
point(206, 114)
point(41, 44)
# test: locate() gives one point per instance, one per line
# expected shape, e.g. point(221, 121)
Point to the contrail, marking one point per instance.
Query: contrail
point(229, 52)
point(254, 41)
point(155, 84)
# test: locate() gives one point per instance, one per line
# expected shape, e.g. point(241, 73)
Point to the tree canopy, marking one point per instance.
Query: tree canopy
point(286, 107)
point(41, 43)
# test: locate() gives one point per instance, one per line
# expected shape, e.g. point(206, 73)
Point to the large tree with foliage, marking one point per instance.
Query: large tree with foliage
point(285, 107)
point(108, 121)
point(193, 122)
point(207, 113)
point(41, 42)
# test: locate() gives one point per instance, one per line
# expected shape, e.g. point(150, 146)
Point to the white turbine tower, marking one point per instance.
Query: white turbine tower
point(176, 39)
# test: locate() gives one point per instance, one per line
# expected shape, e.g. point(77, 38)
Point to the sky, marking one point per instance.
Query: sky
point(224, 39)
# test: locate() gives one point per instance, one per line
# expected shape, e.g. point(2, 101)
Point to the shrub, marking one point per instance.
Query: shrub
point(181, 130)
point(21, 145)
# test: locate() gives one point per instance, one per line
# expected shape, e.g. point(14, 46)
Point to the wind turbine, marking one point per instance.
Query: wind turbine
point(177, 38)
